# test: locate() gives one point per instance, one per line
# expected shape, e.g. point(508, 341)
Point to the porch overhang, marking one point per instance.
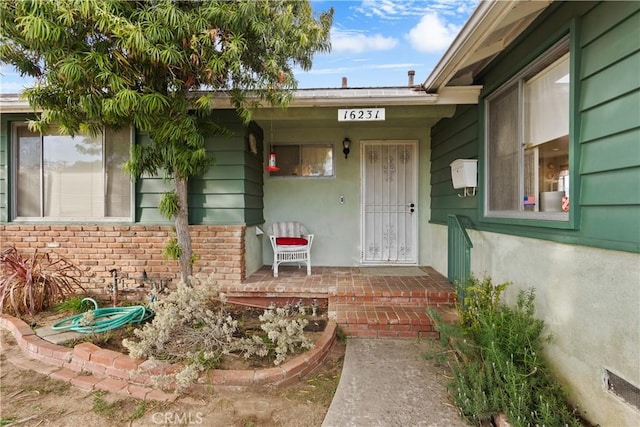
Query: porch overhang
point(489, 30)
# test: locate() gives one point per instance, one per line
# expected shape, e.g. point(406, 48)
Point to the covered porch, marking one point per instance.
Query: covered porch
point(389, 301)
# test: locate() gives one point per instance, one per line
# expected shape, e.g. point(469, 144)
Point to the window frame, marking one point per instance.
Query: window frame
point(563, 220)
point(301, 145)
point(50, 219)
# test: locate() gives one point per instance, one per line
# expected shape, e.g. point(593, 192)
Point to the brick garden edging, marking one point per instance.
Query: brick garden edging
point(91, 367)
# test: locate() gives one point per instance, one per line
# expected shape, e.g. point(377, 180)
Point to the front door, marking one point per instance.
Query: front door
point(389, 202)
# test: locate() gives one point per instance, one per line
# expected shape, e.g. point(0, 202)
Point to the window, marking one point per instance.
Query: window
point(314, 160)
point(527, 149)
point(81, 177)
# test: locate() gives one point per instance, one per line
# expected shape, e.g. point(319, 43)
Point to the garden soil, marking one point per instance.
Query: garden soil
point(31, 399)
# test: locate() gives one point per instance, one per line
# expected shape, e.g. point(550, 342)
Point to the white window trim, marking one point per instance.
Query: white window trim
point(50, 219)
point(558, 50)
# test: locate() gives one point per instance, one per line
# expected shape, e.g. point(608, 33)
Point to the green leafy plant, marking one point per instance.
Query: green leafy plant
point(498, 365)
point(172, 249)
point(169, 205)
point(72, 305)
point(32, 283)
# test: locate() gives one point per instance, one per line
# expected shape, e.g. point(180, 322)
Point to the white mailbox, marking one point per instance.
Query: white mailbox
point(464, 173)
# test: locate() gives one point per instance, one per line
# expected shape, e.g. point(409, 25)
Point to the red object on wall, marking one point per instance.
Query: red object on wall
point(272, 164)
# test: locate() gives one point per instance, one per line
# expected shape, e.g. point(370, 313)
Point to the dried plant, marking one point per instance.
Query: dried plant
point(32, 283)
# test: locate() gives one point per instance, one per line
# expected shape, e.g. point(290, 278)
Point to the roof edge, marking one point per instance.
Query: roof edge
point(484, 19)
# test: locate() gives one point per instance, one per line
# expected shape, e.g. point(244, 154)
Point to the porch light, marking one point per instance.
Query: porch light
point(345, 144)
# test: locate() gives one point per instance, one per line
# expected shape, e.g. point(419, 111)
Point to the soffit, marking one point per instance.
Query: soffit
point(491, 29)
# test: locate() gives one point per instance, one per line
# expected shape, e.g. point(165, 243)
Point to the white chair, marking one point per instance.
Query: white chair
point(291, 242)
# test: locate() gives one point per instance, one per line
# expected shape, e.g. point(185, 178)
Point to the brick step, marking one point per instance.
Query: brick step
point(389, 321)
point(280, 300)
point(403, 298)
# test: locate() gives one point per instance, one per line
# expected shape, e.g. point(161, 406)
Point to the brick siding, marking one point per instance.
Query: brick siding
point(132, 249)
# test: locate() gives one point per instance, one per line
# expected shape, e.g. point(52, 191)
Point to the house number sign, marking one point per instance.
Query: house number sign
point(360, 114)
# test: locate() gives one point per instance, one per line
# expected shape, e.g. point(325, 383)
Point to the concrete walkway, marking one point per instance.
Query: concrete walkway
point(387, 382)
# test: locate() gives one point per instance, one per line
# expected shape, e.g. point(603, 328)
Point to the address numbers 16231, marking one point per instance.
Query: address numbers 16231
point(360, 114)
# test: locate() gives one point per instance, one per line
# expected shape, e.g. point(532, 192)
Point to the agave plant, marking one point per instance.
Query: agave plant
point(32, 283)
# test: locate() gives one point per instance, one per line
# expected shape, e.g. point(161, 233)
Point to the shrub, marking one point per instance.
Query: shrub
point(283, 334)
point(191, 325)
point(30, 284)
point(499, 366)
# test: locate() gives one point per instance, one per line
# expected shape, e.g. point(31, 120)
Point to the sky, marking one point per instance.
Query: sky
point(374, 43)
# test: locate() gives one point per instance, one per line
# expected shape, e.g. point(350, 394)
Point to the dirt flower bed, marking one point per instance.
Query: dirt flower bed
point(248, 319)
point(33, 399)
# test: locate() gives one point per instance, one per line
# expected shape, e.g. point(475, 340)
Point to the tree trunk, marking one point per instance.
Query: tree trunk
point(182, 229)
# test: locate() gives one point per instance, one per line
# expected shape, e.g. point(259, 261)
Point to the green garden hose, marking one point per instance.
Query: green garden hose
point(103, 319)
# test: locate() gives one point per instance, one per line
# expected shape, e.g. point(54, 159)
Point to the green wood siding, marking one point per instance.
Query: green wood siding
point(229, 193)
point(607, 121)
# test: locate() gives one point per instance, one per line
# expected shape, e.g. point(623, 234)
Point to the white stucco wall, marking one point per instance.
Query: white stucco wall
point(316, 202)
point(589, 299)
point(253, 249)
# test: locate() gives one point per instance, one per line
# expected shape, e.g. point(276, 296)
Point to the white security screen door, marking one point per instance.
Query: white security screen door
point(389, 198)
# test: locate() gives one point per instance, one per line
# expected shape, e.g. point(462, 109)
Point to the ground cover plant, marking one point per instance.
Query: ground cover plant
point(497, 361)
point(34, 282)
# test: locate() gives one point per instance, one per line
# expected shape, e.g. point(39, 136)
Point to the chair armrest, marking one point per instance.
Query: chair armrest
point(273, 242)
point(309, 237)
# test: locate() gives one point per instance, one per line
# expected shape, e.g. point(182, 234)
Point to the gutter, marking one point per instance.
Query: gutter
point(304, 98)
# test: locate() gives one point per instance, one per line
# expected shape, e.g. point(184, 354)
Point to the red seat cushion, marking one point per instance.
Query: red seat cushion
point(297, 241)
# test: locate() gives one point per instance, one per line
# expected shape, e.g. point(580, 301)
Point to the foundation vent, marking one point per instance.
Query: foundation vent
point(622, 388)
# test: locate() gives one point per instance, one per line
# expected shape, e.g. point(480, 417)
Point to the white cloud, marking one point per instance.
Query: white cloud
point(432, 34)
point(359, 68)
point(397, 9)
point(355, 42)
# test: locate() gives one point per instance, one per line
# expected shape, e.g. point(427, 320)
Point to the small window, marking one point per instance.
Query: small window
point(527, 142)
point(74, 178)
point(308, 160)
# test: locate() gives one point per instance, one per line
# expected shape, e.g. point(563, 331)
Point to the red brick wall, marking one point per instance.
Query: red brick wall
point(132, 249)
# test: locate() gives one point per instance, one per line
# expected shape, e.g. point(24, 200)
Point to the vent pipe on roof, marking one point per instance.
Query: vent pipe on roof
point(344, 83)
point(411, 73)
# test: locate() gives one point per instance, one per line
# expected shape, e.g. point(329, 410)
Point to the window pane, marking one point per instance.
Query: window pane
point(28, 185)
point(547, 103)
point(314, 160)
point(553, 178)
point(73, 185)
point(118, 182)
point(546, 134)
point(287, 159)
point(503, 151)
point(317, 160)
